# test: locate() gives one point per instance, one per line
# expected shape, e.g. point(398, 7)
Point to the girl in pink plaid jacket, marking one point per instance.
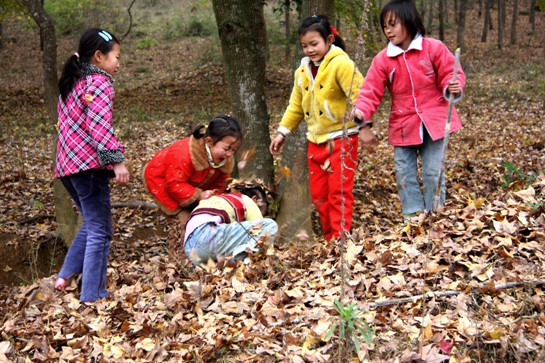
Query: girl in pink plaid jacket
point(88, 155)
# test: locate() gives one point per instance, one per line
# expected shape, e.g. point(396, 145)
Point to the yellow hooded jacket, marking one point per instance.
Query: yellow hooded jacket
point(321, 102)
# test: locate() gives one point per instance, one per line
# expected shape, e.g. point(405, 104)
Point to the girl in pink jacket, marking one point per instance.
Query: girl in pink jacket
point(418, 74)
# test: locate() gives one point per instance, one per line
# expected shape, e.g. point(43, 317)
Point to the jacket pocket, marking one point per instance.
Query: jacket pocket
point(328, 111)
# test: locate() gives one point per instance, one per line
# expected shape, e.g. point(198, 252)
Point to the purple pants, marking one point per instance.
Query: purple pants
point(88, 254)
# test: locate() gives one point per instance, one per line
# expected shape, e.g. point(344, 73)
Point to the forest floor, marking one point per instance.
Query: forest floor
point(480, 261)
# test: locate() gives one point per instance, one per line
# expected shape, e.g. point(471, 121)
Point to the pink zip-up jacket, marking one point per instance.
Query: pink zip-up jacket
point(417, 80)
point(86, 135)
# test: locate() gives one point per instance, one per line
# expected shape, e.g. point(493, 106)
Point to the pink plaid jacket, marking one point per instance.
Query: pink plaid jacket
point(86, 135)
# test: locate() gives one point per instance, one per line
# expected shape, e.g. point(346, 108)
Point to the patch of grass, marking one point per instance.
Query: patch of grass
point(146, 43)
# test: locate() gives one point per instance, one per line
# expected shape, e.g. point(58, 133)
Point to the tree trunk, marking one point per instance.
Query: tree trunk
point(67, 219)
point(446, 10)
point(430, 17)
point(533, 15)
point(441, 21)
point(295, 210)
point(287, 24)
point(514, 22)
point(456, 11)
point(1, 34)
point(487, 20)
point(501, 22)
point(480, 8)
point(461, 25)
point(244, 58)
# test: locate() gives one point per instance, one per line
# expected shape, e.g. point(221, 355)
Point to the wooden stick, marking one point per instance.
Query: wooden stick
point(448, 293)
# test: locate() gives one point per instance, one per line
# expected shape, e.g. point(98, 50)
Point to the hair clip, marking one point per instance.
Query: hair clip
point(334, 31)
point(105, 35)
point(315, 16)
point(77, 55)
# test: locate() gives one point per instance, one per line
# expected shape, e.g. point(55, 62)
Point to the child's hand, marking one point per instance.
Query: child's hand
point(368, 140)
point(121, 174)
point(357, 114)
point(206, 194)
point(276, 144)
point(454, 87)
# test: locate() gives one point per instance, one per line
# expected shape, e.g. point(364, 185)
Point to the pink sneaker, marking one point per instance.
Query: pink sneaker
point(60, 284)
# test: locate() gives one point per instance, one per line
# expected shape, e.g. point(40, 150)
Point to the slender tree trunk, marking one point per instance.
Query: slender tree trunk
point(461, 25)
point(480, 8)
point(533, 15)
point(244, 58)
point(456, 11)
point(487, 20)
point(67, 219)
point(287, 24)
point(501, 22)
point(430, 17)
point(1, 34)
point(441, 21)
point(446, 10)
point(295, 204)
point(514, 22)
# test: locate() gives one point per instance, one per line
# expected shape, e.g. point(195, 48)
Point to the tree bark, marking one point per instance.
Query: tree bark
point(295, 210)
point(287, 34)
point(461, 25)
point(487, 20)
point(501, 22)
point(243, 42)
point(514, 22)
point(430, 17)
point(67, 219)
point(441, 21)
point(533, 15)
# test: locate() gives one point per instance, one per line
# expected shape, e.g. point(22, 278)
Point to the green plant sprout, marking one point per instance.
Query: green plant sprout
point(350, 322)
point(513, 174)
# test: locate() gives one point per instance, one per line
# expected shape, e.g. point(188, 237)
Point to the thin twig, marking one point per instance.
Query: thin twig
point(134, 204)
point(449, 293)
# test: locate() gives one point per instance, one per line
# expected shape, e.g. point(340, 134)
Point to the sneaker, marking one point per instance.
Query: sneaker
point(60, 284)
point(407, 217)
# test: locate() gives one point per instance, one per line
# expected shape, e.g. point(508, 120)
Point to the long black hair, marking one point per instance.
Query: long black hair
point(405, 11)
point(91, 40)
point(320, 24)
point(220, 127)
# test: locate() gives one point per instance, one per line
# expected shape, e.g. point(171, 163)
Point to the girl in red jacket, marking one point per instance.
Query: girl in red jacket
point(190, 170)
point(418, 74)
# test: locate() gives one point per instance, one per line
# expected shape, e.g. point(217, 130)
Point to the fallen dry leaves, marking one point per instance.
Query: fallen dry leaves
point(465, 285)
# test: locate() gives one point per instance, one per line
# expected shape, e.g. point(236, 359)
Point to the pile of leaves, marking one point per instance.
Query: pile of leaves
point(280, 305)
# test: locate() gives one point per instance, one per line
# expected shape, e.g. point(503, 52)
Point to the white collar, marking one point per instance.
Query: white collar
point(395, 50)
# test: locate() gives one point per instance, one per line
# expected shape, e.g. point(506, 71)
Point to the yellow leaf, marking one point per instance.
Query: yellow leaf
point(496, 334)
point(147, 344)
point(7, 269)
point(285, 171)
point(307, 343)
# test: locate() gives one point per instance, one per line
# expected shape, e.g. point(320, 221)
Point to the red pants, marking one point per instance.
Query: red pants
point(325, 185)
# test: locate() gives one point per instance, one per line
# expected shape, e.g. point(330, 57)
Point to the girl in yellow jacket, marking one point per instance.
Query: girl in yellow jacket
point(321, 87)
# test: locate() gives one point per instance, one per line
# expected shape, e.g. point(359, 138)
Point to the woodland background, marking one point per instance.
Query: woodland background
point(480, 260)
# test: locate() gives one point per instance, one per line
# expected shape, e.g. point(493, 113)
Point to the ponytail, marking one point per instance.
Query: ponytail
point(91, 40)
point(320, 24)
point(220, 127)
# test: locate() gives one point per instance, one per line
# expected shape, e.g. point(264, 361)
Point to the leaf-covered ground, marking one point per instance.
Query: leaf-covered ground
point(465, 285)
